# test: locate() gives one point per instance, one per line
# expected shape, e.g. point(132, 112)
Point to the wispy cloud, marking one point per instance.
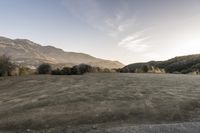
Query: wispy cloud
point(94, 14)
point(136, 42)
point(118, 23)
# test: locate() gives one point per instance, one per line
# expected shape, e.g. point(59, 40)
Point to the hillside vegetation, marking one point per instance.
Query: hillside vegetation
point(182, 64)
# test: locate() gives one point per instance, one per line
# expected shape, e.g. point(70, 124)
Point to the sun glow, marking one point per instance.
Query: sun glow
point(187, 43)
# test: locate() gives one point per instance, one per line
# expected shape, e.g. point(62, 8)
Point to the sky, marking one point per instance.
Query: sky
point(125, 30)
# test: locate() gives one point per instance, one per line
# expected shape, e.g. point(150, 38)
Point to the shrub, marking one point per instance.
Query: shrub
point(66, 71)
point(81, 69)
point(25, 71)
point(96, 70)
point(6, 66)
point(118, 70)
point(44, 69)
point(145, 68)
point(74, 70)
point(126, 70)
point(84, 68)
point(106, 70)
point(56, 72)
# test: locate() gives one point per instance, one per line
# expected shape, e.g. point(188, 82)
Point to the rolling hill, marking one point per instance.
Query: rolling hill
point(26, 52)
point(180, 64)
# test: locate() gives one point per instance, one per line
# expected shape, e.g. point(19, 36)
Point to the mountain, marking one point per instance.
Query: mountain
point(26, 52)
point(181, 64)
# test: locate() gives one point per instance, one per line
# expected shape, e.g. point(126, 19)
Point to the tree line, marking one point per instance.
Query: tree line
point(8, 68)
point(75, 70)
point(182, 65)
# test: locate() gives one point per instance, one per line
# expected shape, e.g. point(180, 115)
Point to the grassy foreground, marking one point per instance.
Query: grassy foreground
point(45, 101)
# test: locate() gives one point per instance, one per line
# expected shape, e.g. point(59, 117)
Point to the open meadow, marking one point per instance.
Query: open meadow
point(41, 102)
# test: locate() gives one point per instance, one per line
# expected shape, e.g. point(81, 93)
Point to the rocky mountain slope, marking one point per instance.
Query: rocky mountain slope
point(28, 53)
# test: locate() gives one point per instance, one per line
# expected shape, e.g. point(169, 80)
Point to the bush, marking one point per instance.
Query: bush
point(81, 69)
point(6, 66)
point(84, 68)
point(96, 70)
point(145, 68)
point(44, 69)
point(56, 72)
point(126, 70)
point(66, 71)
point(75, 70)
point(106, 70)
point(25, 71)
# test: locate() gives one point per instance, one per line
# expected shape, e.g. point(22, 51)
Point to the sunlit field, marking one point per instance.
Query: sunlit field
point(41, 102)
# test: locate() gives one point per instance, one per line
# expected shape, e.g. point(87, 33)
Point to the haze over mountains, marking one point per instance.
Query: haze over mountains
point(26, 52)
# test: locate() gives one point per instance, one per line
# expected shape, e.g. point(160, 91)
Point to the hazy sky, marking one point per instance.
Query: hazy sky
point(125, 30)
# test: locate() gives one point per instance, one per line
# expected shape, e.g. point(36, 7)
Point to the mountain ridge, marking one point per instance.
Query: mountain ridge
point(26, 52)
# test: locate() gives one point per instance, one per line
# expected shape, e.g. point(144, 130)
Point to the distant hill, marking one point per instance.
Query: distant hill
point(181, 64)
point(26, 52)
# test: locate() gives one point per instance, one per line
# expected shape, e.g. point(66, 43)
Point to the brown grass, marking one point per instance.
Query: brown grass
point(45, 101)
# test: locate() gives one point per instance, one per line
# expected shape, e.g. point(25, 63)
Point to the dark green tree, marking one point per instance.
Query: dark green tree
point(44, 69)
point(145, 68)
point(67, 70)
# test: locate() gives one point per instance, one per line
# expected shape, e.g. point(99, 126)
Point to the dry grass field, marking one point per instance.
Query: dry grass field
point(41, 102)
